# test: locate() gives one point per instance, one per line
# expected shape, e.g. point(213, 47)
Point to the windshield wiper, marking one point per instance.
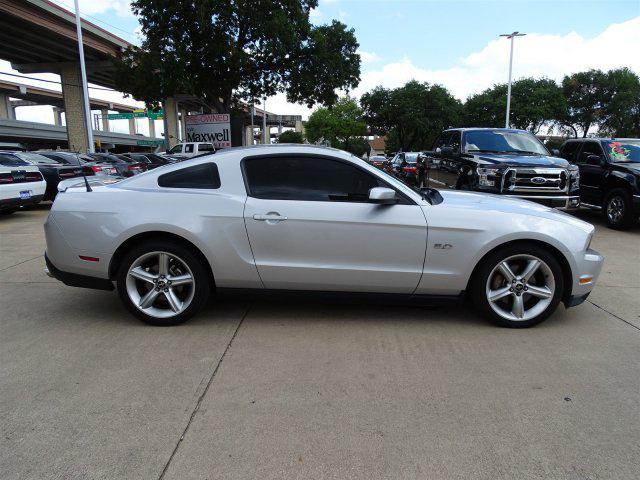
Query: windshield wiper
point(481, 150)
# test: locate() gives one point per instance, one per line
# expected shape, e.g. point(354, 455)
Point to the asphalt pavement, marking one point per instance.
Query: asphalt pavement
point(314, 390)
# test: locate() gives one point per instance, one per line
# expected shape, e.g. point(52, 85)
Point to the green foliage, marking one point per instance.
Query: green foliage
point(224, 52)
point(620, 116)
point(534, 102)
point(356, 145)
point(338, 124)
point(412, 116)
point(290, 136)
point(585, 93)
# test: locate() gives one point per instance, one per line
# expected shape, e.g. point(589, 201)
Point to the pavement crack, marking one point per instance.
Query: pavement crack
point(19, 263)
point(614, 315)
point(203, 394)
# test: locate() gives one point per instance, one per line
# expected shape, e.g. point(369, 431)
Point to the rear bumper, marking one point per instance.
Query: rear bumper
point(562, 202)
point(76, 280)
point(19, 202)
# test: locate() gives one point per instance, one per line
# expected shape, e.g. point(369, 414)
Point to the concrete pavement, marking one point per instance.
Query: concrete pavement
point(259, 389)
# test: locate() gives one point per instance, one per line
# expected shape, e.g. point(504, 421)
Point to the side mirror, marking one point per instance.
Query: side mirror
point(555, 152)
point(382, 196)
point(595, 160)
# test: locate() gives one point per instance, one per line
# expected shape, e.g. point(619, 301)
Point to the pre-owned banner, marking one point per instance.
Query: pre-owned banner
point(213, 128)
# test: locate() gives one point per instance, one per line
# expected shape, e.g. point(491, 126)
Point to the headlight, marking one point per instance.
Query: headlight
point(574, 178)
point(484, 175)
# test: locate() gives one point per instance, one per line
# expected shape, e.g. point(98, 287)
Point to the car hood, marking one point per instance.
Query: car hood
point(524, 160)
point(487, 202)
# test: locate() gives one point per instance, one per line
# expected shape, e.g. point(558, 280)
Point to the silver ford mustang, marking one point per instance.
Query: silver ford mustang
point(306, 218)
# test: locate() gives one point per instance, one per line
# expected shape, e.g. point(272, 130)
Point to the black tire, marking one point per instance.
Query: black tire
point(616, 200)
point(201, 278)
point(486, 266)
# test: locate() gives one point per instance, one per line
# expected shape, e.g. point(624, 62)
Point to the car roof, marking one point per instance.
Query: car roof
point(603, 139)
point(480, 129)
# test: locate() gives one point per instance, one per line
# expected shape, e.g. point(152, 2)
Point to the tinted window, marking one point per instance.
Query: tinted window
point(442, 140)
point(37, 159)
point(199, 176)
point(176, 149)
point(308, 178)
point(569, 151)
point(188, 148)
point(454, 141)
point(205, 147)
point(589, 148)
point(7, 160)
point(503, 141)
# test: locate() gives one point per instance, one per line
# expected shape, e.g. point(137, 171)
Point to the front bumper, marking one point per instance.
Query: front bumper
point(561, 202)
point(588, 266)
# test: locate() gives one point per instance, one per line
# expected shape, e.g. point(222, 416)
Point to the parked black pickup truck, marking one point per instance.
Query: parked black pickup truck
point(609, 176)
point(501, 161)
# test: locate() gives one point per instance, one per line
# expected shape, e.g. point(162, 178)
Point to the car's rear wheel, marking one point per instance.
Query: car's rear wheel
point(518, 286)
point(618, 209)
point(162, 283)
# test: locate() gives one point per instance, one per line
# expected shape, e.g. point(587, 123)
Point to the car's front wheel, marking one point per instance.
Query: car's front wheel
point(518, 286)
point(618, 209)
point(162, 283)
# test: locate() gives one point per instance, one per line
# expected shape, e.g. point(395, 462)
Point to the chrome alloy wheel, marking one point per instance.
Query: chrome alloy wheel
point(615, 209)
point(520, 287)
point(160, 284)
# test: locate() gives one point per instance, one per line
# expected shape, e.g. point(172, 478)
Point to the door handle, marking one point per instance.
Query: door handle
point(270, 217)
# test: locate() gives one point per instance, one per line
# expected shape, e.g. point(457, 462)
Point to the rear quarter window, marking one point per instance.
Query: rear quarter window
point(204, 176)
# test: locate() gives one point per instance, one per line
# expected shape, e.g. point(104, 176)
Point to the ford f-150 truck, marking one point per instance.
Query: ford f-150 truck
point(501, 161)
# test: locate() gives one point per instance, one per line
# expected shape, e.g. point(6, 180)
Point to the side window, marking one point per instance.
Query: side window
point(442, 140)
point(205, 147)
point(454, 141)
point(569, 151)
point(188, 148)
point(308, 178)
point(176, 149)
point(204, 176)
point(589, 148)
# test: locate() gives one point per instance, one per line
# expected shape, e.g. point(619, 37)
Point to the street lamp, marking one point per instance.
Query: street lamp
point(510, 36)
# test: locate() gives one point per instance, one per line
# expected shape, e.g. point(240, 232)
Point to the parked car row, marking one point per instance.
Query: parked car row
point(593, 172)
point(19, 169)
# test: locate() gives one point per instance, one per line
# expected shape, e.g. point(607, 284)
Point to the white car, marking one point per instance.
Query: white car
point(20, 183)
point(307, 218)
point(190, 149)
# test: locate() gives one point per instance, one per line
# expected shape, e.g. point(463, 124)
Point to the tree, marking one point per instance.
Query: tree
point(223, 52)
point(585, 95)
point(620, 115)
point(290, 136)
point(411, 116)
point(534, 102)
point(339, 124)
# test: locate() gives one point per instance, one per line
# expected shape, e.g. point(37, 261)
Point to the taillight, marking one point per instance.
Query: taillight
point(410, 169)
point(96, 168)
point(33, 177)
point(6, 178)
point(134, 167)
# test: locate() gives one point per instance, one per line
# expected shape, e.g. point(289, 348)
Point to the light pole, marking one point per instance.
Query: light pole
point(85, 90)
point(510, 36)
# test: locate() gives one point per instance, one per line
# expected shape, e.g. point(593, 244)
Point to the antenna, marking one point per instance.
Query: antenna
point(86, 183)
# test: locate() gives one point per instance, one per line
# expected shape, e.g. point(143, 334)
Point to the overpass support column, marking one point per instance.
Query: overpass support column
point(152, 128)
point(171, 115)
point(105, 119)
point(183, 125)
point(74, 108)
point(5, 106)
point(299, 126)
point(57, 116)
point(132, 126)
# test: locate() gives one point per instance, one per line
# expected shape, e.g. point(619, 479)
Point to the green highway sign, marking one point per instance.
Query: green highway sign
point(149, 143)
point(137, 114)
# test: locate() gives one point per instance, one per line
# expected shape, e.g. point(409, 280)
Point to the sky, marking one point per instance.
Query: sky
point(452, 43)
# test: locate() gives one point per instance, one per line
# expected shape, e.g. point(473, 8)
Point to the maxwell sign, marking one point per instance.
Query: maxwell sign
point(212, 127)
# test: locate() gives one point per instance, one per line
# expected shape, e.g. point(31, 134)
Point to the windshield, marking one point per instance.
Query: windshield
point(411, 157)
point(503, 141)
point(622, 151)
point(36, 158)
point(9, 160)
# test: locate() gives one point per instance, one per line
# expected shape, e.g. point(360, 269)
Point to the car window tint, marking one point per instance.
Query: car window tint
point(443, 140)
point(569, 151)
point(199, 176)
point(7, 160)
point(176, 149)
point(308, 178)
point(37, 159)
point(589, 148)
point(188, 148)
point(454, 141)
point(205, 147)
